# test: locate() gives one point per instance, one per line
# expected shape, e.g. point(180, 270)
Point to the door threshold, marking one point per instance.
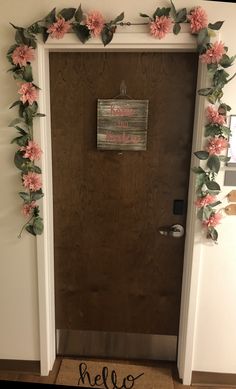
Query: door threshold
point(116, 345)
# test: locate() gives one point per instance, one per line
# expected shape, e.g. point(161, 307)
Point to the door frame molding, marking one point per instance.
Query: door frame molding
point(132, 38)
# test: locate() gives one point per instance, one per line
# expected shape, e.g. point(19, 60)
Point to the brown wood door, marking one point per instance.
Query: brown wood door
point(114, 271)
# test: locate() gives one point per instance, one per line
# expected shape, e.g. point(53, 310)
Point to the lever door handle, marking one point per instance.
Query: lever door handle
point(176, 230)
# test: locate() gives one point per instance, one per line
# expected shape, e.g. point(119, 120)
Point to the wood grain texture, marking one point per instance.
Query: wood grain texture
point(113, 270)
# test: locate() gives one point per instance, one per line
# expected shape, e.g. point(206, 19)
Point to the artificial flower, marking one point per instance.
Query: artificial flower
point(216, 145)
point(23, 54)
point(206, 200)
point(214, 116)
point(28, 208)
point(214, 53)
point(198, 19)
point(32, 151)
point(160, 26)
point(32, 181)
point(213, 220)
point(95, 23)
point(59, 28)
point(29, 93)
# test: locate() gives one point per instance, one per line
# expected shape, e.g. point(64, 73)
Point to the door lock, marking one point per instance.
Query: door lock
point(176, 230)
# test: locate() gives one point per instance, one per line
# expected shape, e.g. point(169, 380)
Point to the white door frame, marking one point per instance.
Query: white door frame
point(125, 39)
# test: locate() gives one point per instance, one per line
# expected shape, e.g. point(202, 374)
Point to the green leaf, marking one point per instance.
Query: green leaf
point(25, 196)
point(37, 195)
point(201, 154)
point(40, 115)
point(38, 225)
point(202, 39)
point(216, 25)
point(21, 140)
point(226, 61)
point(107, 35)
point(212, 130)
point(213, 186)
point(173, 10)
point(30, 229)
point(220, 78)
point(217, 94)
point(51, 17)
point(15, 104)
point(205, 91)
point(224, 158)
point(144, 15)
point(181, 16)
point(214, 163)
point(20, 162)
point(176, 28)
point(215, 204)
point(35, 169)
point(82, 32)
point(45, 34)
point(27, 73)
point(79, 15)
point(161, 12)
point(16, 121)
point(198, 170)
point(119, 18)
point(67, 13)
point(21, 131)
point(212, 234)
point(212, 67)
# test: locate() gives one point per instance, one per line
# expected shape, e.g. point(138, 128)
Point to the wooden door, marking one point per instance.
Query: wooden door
point(114, 271)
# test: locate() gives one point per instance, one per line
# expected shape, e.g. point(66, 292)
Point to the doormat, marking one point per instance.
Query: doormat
point(109, 375)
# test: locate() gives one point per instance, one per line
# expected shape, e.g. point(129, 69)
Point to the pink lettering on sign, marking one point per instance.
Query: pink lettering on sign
point(125, 110)
point(122, 138)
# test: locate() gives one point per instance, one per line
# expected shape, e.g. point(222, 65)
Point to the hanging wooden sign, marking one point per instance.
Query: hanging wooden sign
point(232, 195)
point(230, 209)
point(122, 124)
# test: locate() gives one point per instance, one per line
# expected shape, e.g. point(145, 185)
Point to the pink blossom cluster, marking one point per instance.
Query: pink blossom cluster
point(160, 26)
point(32, 151)
point(28, 208)
point(23, 54)
point(213, 54)
point(59, 28)
point(213, 220)
point(32, 181)
point(216, 145)
point(205, 200)
point(95, 23)
point(28, 92)
point(198, 19)
point(214, 116)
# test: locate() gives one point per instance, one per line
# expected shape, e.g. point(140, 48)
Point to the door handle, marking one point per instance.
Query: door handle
point(176, 230)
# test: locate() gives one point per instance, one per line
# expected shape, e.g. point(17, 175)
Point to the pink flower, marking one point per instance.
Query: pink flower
point(214, 116)
point(59, 28)
point(28, 208)
point(217, 145)
point(29, 93)
point(206, 200)
point(32, 181)
point(198, 19)
point(160, 26)
point(23, 54)
point(95, 23)
point(32, 151)
point(213, 220)
point(214, 53)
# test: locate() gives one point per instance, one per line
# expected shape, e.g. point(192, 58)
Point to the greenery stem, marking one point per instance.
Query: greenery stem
point(22, 229)
point(231, 78)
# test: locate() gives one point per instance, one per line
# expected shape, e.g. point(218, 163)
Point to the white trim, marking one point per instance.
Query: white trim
point(125, 41)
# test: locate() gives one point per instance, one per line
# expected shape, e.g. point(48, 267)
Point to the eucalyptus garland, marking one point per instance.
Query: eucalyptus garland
point(86, 26)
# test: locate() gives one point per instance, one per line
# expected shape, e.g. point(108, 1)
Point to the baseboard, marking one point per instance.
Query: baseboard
point(205, 378)
point(12, 365)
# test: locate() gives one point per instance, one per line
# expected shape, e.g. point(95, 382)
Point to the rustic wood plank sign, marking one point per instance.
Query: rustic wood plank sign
point(122, 124)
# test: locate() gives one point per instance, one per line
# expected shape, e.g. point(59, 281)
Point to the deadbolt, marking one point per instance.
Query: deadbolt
point(176, 230)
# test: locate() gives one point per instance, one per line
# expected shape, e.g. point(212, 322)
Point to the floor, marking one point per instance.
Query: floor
point(51, 379)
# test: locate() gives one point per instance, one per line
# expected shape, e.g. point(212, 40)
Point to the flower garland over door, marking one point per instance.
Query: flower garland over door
point(87, 26)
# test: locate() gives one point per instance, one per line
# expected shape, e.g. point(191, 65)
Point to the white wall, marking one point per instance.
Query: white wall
point(215, 335)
